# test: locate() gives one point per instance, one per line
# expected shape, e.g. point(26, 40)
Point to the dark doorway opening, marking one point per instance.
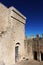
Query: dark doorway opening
point(35, 55)
point(16, 53)
point(41, 56)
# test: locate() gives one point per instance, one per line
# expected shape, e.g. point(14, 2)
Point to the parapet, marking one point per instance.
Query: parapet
point(16, 11)
point(15, 14)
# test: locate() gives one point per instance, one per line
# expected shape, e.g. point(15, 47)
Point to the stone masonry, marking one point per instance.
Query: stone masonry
point(12, 35)
point(34, 48)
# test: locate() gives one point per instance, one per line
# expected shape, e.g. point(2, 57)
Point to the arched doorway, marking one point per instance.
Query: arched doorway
point(41, 56)
point(35, 55)
point(16, 52)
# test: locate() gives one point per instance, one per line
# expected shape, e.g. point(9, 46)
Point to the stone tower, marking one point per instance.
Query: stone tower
point(12, 33)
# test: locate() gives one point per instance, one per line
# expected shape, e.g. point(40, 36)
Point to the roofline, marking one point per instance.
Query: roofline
point(19, 13)
point(3, 5)
point(14, 10)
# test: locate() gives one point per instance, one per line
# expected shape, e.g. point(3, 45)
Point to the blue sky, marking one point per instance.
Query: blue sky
point(33, 10)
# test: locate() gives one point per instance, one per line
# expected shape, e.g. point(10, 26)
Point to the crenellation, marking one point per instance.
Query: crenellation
point(35, 48)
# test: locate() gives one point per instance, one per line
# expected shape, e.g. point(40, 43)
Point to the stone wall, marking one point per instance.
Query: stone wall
point(34, 48)
point(12, 31)
point(28, 48)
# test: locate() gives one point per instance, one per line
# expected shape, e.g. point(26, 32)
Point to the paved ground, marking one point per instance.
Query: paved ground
point(27, 62)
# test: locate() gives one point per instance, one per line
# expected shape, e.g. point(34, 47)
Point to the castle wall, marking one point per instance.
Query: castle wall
point(12, 31)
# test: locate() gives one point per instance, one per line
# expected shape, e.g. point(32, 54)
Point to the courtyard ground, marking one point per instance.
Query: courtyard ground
point(28, 62)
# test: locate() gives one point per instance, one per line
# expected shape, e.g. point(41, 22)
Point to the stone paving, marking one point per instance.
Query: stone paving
point(28, 62)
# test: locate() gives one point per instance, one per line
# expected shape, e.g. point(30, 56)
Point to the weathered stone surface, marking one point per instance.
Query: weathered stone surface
point(34, 48)
point(12, 26)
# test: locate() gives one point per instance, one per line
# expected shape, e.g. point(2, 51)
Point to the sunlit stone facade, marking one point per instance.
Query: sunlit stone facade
point(12, 35)
point(34, 48)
